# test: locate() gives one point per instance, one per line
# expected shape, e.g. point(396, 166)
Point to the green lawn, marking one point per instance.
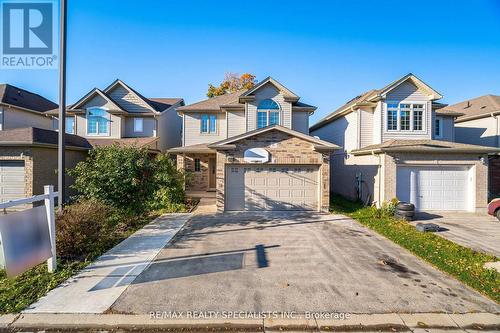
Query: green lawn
point(19, 292)
point(462, 263)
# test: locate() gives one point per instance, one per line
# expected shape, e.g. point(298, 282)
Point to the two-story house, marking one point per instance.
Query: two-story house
point(252, 148)
point(398, 142)
point(21, 108)
point(119, 114)
point(28, 146)
point(480, 125)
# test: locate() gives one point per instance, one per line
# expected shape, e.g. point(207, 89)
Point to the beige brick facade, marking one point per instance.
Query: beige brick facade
point(283, 149)
point(480, 172)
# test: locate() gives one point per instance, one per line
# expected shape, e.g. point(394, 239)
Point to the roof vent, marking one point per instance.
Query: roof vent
point(468, 105)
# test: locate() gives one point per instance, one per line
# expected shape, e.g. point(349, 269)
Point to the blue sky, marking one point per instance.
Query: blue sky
point(325, 51)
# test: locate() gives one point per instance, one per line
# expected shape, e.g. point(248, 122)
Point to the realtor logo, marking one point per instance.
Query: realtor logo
point(28, 34)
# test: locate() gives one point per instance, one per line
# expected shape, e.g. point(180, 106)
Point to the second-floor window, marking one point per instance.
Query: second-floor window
point(208, 123)
point(405, 117)
point(70, 125)
point(138, 125)
point(98, 122)
point(268, 113)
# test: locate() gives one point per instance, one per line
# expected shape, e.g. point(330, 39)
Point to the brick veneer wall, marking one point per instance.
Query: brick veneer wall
point(283, 149)
point(470, 160)
point(494, 176)
point(40, 165)
point(198, 181)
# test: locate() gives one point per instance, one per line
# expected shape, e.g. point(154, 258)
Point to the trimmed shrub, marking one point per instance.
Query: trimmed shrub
point(169, 185)
point(82, 229)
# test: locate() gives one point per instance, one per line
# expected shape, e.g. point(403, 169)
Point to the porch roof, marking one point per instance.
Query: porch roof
point(198, 148)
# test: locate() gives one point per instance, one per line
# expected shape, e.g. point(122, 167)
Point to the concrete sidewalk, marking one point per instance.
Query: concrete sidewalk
point(419, 322)
point(98, 286)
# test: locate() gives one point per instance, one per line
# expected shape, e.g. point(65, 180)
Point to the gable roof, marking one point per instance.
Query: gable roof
point(286, 92)
point(24, 99)
point(320, 144)
point(123, 84)
point(92, 93)
point(214, 103)
point(236, 99)
point(479, 107)
point(428, 146)
point(371, 96)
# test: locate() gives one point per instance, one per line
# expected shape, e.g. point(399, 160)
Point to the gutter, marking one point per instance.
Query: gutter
point(41, 113)
point(479, 116)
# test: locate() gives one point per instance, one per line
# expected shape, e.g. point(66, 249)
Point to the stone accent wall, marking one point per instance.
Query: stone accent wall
point(197, 180)
point(494, 176)
point(472, 160)
point(283, 149)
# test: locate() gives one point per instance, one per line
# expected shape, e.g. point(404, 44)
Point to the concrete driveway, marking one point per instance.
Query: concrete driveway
point(475, 231)
point(291, 262)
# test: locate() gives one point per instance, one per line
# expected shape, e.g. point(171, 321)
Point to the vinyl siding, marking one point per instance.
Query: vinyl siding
point(484, 131)
point(235, 123)
point(269, 91)
point(192, 126)
point(128, 100)
point(115, 129)
point(169, 129)
point(342, 132)
point(149, 127)
point(366, 127)
point(377, 124)
point(448, 129)
point(300, 121)
point(98, 101)
point(407, 92)
point(16, 118)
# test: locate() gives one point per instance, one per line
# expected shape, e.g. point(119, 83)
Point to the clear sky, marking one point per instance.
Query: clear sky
point(325, 51)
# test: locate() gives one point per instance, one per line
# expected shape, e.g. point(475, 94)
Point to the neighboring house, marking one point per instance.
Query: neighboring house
point(119, 114)
point(399, 142)
point(21, 108)
point(480, 125)
point(28, 160)
point(224, 136)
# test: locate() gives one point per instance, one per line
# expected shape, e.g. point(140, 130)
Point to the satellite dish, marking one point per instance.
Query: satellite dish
point(256, 155)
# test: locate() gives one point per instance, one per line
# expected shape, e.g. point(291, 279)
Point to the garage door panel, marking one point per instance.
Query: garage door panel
point(432, 188)
point(272, 188)
point(12, 184)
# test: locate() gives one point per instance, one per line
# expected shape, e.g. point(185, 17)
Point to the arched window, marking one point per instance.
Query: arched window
point(268, 113)
point(98, 121)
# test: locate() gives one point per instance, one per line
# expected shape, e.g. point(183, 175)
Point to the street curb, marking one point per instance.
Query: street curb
point(390, 322)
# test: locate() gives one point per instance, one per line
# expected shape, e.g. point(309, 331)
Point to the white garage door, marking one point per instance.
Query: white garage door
point(434, 188)
point(11, 180)
point(263, 187)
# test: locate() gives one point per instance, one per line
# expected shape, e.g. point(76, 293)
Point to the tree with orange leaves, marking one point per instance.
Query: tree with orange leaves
point(232, 82)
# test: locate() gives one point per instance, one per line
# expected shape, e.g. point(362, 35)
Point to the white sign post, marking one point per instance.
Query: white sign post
point(28, 237)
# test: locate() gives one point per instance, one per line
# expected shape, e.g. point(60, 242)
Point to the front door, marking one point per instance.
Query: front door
point(212, 166)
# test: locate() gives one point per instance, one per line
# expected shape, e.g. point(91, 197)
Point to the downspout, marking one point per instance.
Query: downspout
point(379, 179)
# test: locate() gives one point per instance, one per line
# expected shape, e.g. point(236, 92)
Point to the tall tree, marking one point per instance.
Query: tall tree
point(232, 82)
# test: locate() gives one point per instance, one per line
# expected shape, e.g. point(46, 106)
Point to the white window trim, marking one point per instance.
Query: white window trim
point(411, 130)
point(208, 125)
point(440, 120)
point(87, 122)
point(268, 113)
point(136, 120)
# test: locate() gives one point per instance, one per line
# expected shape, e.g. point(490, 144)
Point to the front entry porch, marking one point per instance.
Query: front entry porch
point(200, 168)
